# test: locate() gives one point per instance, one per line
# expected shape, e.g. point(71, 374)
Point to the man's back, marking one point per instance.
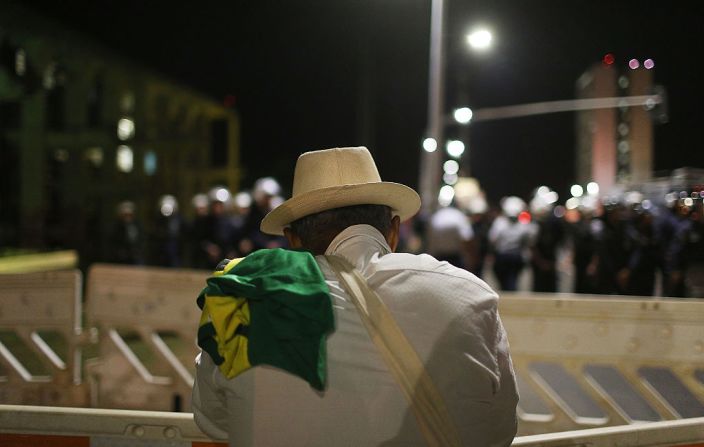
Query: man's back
point(448, 315)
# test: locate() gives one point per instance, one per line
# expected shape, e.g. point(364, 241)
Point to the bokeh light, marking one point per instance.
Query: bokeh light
point(593, 188)
point(447, 193)
point(577, 190)
point(480, 39)
point(455, 148)
point(451, 167)
point(430, 145)
point(463, 115)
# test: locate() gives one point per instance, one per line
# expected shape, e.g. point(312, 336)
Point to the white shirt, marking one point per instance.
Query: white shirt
point(449, 316)
point(509, 236)
point(449, 230)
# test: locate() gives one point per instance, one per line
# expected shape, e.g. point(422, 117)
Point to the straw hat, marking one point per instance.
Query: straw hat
point(335, 178)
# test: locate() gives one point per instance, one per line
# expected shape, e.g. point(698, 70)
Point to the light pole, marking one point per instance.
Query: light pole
point(432, 156)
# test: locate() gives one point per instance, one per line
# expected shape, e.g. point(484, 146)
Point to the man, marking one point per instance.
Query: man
point(451, 238)
point(510, 239)
point(341, 207)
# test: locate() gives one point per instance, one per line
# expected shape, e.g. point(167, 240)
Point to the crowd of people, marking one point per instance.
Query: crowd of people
point(223, 226)
point(616, 245)
point(625, 245)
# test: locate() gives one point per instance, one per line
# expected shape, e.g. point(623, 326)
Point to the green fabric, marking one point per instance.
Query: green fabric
point(290, 307)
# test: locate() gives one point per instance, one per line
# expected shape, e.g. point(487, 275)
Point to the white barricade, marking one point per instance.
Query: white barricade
point(604, 360)
point(582, 361)
point(40, 323)
point(147, 310)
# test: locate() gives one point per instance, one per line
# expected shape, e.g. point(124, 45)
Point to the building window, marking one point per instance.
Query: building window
point(54, 80)
point(125, 159)
point(94, 155)
point(56, 108)
point(125, 129)
point(218, 143)
point(96, 99)
point(150, 162)
point(10, 115)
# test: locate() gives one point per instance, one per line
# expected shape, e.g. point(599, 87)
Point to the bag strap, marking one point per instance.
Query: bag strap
point(401, 358)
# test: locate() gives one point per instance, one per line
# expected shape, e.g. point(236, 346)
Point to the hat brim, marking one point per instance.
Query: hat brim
point(403, 201)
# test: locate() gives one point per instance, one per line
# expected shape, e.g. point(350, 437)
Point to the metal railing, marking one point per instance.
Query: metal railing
point(49, 426)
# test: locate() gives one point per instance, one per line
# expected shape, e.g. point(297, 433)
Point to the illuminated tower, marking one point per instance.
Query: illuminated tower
point(615, 145)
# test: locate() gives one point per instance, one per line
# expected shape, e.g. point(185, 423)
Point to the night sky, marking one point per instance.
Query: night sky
point(316, 74)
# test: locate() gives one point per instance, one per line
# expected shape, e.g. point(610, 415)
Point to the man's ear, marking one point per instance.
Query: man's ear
point(293, 240)
point(394, 233)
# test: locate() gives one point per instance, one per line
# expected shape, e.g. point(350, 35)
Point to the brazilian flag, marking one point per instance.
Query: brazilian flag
point(269, 308)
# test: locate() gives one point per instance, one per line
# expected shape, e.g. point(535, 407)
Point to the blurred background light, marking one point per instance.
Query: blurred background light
point(524, 217)
point(593, 188)
point(430, 145)
point(95, 156)
point(551, 197)
point(608, 59)
point(572, 203)
point(480, 39)
point(559, 211)
point(649, 64)
point(125, 159)
point(451, 167)
point(125, 129)
point(150, 162)
point(577, 190)
point(450, 179)
point(463, 115)
point(447, 193)
point(455, 148)
point(633, 64)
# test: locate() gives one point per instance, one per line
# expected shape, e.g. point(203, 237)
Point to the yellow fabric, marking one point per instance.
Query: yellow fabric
point(228, 267)
point(227, 313)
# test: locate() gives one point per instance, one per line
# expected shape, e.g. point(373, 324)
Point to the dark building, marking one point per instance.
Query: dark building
point(82, 129)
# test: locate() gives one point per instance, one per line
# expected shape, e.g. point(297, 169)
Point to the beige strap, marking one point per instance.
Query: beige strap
point(401, 358)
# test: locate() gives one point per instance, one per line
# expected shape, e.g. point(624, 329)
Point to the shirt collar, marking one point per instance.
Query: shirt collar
point(359, 243)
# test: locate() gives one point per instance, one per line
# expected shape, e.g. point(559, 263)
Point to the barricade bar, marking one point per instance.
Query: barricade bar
point(681, 432)
point(58, 427)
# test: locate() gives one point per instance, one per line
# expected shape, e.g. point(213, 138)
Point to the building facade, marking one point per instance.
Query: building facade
point(615, 145)
point(82, 130)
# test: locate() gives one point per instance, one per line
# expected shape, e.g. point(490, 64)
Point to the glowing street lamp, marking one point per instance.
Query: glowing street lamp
point(463, 115)
point(480, 39)
point(430, 144)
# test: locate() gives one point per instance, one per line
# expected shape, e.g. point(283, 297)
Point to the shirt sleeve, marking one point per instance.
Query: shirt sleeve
point(209, 403)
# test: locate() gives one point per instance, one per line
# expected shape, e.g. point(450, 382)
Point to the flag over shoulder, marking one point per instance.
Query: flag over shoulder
point(271, 308)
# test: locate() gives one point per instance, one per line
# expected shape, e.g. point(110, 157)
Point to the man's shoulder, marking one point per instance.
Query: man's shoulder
point(426, 268)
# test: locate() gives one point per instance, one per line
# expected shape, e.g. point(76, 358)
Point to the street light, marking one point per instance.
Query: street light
point(430, 144)
point(480, 39)
point(463, 115)
point(431, 159)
